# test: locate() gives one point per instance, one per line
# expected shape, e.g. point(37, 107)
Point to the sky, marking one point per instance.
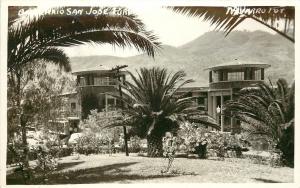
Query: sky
point(171, 28)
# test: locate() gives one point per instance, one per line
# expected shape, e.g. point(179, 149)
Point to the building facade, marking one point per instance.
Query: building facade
point(225, 81)
point(96, 90)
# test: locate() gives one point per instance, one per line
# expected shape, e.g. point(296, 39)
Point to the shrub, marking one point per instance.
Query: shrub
point(199, 140)
point(60, 151)
point(194, 138)
point(46, 162)
point(286, 145)
point(91, 144)
point(135, 144)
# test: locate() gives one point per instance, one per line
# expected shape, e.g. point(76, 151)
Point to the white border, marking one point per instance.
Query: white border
point(141, 3)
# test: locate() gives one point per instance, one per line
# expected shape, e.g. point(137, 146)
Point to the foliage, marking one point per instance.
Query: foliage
point(152, 107)
point(97, 124)
point(15, 155)
point(45, 155)
point(89, 145)
point(135, 144)
point(97, 138)
point(169, 148)
point(46, 162)
point(286, 145)
point(40, 34)
point(268, 111)
point(199, 140)
point(169, 145)
point(192, 135)
point(36, 36)
point(279, 19)
point(36, 101)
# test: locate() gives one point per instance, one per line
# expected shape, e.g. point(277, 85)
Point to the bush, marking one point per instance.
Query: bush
point(201, 150)
point(60, 151)
point(199, 140)
point(286, 146)
point(46, 161)
point(90, 144)
point(135, 144)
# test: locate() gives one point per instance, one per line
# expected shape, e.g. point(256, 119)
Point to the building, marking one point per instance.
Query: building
point(96, 90)
point(225, 81)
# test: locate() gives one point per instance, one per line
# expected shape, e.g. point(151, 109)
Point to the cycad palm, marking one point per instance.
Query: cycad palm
point(152, 107)
point(267, 110)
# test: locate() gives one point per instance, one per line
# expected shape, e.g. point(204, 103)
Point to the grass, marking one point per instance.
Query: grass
point(135, 169)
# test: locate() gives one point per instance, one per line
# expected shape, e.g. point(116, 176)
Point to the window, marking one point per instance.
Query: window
point(235, 76)
point(104, 81)
point(82, 81)
point(73, 106)
point(258, 74)
point(215, 76)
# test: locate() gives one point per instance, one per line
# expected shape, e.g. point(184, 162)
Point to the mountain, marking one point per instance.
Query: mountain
point(211, 48)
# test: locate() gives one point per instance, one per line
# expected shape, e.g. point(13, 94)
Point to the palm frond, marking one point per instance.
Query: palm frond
point(228, 18)
point(269, 107)
point(33, 32)
point(151, 102)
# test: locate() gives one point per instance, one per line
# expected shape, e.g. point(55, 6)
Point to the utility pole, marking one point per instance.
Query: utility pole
point(117, 70)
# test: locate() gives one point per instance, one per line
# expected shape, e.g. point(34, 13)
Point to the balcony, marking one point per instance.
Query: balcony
point(233, 84)
point(67, 113)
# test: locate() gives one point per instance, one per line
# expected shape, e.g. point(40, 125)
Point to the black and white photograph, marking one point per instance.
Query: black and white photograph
point(149, 94)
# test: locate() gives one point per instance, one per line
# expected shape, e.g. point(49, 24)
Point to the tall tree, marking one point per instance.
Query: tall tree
point(37, 35)
point(268, 111)
point(279, 19)
point(152, 107)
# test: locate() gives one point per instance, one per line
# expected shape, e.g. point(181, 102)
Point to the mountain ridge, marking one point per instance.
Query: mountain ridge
point(208, 50)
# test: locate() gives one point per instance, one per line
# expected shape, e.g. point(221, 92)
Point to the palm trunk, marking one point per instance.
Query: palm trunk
point(23, 122)
point(154, 144)
point(24, 141)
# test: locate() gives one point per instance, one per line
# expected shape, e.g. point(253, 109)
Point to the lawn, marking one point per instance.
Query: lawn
point(136, 169)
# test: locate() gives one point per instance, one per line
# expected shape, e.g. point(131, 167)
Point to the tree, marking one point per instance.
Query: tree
point(41, 86)
point(151, 106)
point(37, 36)
point(268, 111)
point(279, 19)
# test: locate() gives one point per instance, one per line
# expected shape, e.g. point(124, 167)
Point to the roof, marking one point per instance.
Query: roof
point(73, 118)
point(193, 89)
point(68, 93)
point(96, 70)
point(239, 64)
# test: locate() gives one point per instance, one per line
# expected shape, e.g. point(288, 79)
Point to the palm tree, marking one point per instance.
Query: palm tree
point(152, 108)
point(36, 36)
point(30, 34)
point(268, 111)
point(279, 19)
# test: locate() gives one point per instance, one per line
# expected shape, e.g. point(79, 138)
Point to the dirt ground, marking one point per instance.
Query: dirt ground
point(135, 169)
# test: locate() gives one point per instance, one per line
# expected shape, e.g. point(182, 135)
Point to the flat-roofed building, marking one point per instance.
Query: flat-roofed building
point(96, 88)
point(225, 81)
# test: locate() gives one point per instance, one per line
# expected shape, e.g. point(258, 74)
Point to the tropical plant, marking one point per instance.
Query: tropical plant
point(152, 108)
point(279, 19)
point(199, 140)
point(37, 35)
point(268, 111)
